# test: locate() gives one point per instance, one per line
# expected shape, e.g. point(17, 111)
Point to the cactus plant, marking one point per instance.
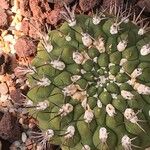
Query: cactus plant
point(90, 85)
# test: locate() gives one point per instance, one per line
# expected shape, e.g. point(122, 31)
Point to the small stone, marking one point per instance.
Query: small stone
point(9, 128)
point(24, 137)
point(87, 5)
point(36, 27)
point(4, 4)
point(16, 96)
point(3, 19)
point(25, 47)
point(15, 145)
point(39, 8)
point(53, 17)
point(32, 27)
point(144, 4)
point(24, 8)
point(29, 144)
point(3, 89)
point(32, 123)
point(25, 26)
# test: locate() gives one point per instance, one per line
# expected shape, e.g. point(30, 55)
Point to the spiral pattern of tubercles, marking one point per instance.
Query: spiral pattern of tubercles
point(95, 77)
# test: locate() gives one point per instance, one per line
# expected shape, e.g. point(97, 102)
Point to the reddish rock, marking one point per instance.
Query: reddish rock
point(36, 10)
point(2, 70)
point(16, 96)
point(36, 28)
point(25, 47)
point(144, 4)
point(9, 128)
point(3, 19)
point(44, 6)
point(53, 17)
point(108, 3)
point(86, 5)
point(29, 144)
point(3, 88)
point(24, 8)
point(39, 8)
point(25, 27)
point(4, 4)
point(32, 27)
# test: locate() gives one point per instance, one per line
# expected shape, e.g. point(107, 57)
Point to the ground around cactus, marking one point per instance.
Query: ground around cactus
point(21, 25)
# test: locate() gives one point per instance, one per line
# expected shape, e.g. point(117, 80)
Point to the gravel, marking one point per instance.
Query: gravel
point(25, 47)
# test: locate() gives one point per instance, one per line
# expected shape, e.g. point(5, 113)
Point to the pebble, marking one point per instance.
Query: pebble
point(53, 17)
point(4, 4)
point(3, 89)
point(87, 5)
point(29, 144)
point(144, 4)
point(24, 137)
point(9, 128)
point(3, 19)
point(25, 47)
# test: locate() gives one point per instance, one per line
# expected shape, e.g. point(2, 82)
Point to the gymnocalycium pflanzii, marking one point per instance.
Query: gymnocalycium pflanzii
point(90, 83)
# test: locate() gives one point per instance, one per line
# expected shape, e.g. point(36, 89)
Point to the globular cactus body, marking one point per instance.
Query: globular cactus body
point(91, 84)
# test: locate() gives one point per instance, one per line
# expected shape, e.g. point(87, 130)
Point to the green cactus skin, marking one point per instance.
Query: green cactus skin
point(91, 85)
